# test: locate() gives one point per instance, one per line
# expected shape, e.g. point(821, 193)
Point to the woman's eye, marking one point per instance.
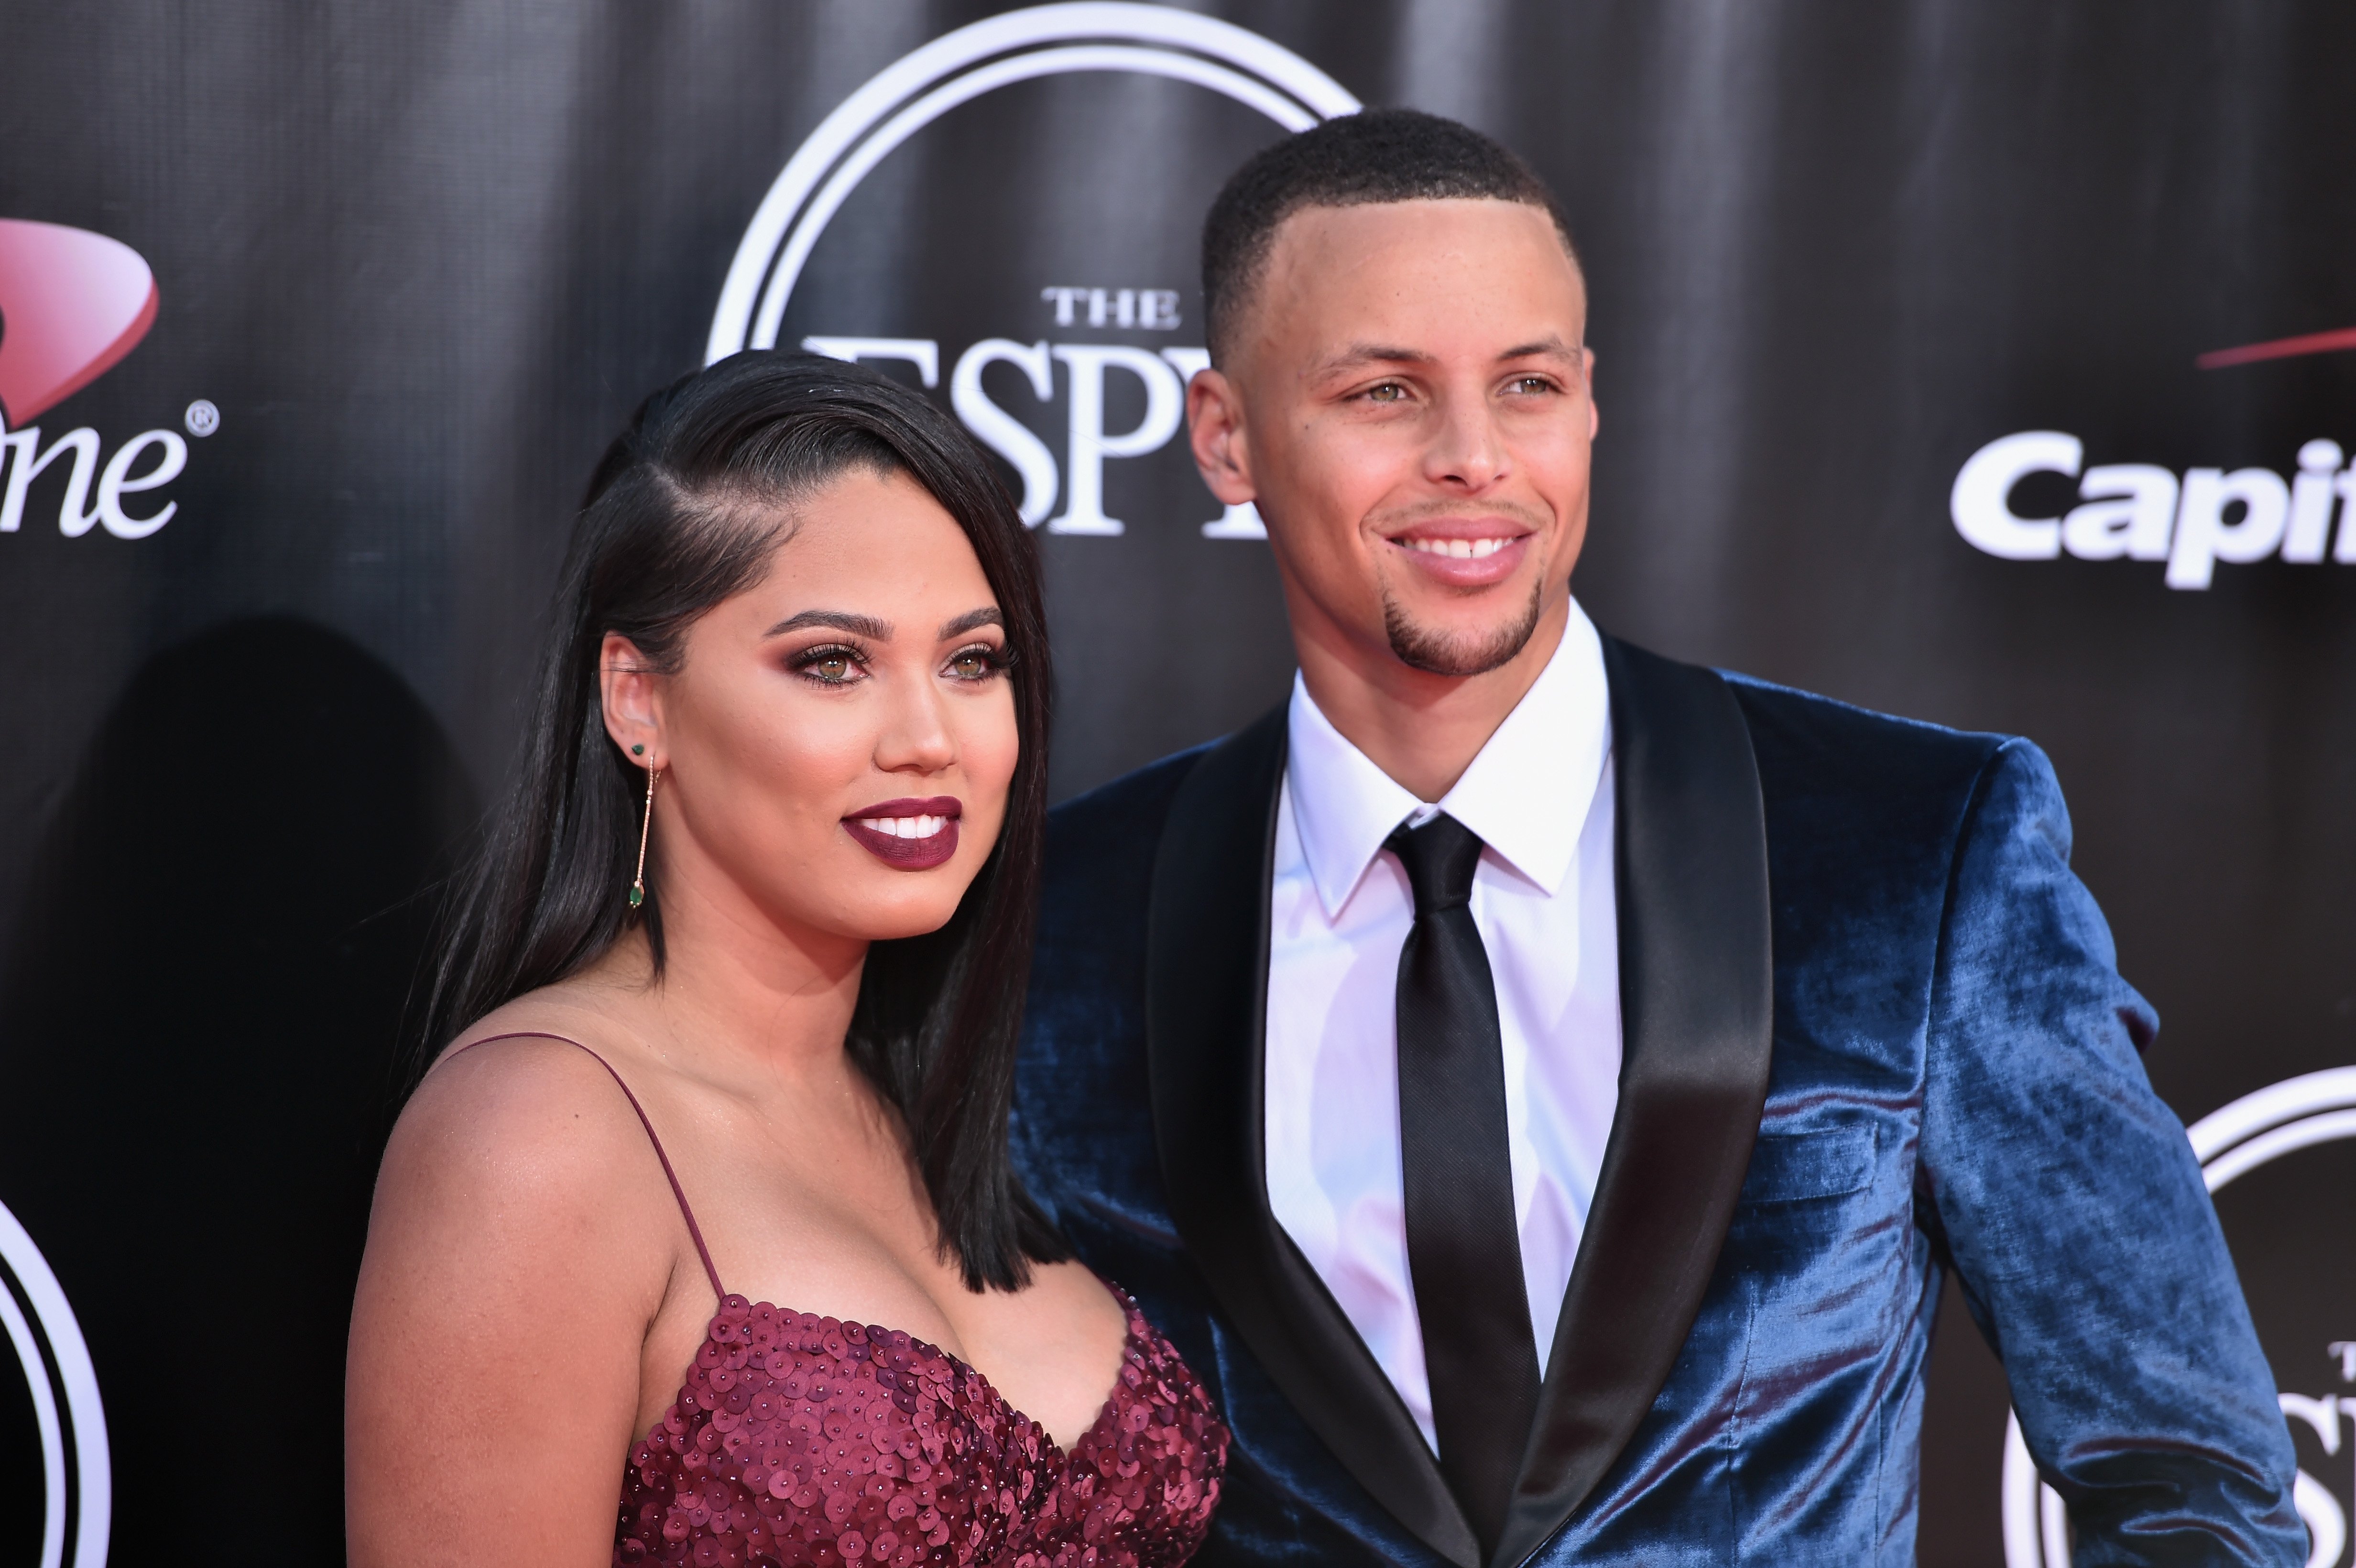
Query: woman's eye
point(829, 666)
point(978, 662)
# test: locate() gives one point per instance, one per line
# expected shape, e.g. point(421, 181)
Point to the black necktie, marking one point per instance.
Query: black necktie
point(1463, 1250)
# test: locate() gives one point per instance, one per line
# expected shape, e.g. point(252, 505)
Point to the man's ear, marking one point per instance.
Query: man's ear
point(628, 686)
point(1587, 369)
point(1215, 426)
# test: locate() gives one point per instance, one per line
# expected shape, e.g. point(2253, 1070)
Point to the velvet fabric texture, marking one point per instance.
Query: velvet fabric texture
point(1954, 1082)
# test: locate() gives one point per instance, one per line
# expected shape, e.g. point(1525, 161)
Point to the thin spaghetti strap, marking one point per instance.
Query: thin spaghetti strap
point(677, 1191)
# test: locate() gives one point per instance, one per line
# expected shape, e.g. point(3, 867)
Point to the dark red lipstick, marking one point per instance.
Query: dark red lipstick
point(910, 835)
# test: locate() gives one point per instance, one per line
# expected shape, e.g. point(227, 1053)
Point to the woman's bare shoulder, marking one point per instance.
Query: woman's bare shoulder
point(517, 1112)
point(582, 1015)
point(521, 1222)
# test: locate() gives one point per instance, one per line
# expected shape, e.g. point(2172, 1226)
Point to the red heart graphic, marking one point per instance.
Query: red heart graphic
point(71, 303)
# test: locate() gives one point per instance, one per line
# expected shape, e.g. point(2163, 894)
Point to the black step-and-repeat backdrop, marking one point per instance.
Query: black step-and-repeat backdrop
point(1992, 362)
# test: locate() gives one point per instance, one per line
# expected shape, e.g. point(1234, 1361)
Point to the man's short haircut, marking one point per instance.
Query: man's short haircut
point(1374, 156)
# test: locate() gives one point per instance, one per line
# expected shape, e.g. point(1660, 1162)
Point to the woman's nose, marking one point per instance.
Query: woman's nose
point(917, 736)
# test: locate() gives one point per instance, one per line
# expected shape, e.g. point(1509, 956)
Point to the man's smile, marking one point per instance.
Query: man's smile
point(1464, 552)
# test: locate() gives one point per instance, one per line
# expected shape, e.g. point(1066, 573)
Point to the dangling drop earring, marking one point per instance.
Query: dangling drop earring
point(638, 883)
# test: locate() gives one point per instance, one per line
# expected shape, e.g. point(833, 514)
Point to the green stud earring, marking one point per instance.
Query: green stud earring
point(637, 750)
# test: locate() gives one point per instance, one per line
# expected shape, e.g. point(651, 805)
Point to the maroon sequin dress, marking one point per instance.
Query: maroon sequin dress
point(798, 1440)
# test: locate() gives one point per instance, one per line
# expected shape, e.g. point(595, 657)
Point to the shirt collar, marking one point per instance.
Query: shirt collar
point(1555, 738)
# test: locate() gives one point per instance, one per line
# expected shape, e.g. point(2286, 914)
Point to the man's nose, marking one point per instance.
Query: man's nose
point(1465, 453)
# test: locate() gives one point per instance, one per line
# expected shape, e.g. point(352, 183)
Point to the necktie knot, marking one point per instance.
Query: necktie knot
point(1440, 858)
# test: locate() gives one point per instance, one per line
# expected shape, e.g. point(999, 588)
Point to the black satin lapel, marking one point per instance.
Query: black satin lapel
point(1207, 1014)
point(1697, 996)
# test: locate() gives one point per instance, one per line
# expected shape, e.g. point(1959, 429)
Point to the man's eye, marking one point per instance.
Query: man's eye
point(1388, 392)
point(1532, 384)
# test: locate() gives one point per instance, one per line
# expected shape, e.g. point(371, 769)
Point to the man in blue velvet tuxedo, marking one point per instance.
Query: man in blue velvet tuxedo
point(1540, 1086)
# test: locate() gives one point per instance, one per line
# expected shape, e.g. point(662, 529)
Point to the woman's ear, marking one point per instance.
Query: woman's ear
point(627, 683)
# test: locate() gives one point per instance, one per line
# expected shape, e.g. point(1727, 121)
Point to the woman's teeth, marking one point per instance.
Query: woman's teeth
point(1458, 550)
point(905, 826)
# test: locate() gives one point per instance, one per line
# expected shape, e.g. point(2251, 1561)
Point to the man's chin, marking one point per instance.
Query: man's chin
point(1459, 652)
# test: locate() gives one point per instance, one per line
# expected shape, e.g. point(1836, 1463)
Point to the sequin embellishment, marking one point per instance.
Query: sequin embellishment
point(799, 1440)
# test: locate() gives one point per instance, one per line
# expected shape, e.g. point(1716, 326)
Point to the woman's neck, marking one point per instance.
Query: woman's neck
point(740, 999)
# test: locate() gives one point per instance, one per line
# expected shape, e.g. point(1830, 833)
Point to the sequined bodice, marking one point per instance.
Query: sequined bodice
point(804, 1442)
point(801, 1440)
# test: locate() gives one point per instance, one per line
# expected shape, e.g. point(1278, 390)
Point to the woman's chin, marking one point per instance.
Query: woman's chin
point(909, 912)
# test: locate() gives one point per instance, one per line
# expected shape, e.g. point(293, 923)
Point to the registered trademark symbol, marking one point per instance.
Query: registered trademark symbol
point(202, 417)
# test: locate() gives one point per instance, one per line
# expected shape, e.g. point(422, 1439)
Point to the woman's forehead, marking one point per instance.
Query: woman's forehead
point(875, 553)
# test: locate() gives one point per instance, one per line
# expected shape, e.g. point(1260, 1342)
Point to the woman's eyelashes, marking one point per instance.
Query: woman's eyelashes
point(830, 664)
point(847, 664)
point(978, 662)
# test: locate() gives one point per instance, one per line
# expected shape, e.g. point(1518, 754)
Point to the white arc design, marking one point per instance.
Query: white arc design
point(2316, 1107)
point(920, 87)
point(90, 1464)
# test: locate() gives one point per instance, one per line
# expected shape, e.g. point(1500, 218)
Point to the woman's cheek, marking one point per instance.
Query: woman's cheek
point(816, 750)
point(996, 747)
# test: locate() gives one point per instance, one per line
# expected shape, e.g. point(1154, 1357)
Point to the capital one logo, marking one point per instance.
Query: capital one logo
point(2274, 1123)
point(72, 304)
point(1066, 493)
point(2139, 511)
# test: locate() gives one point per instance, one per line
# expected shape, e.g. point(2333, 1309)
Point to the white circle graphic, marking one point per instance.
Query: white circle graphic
point(202, 417)
point(67, 1358)
point(2316, 1107)
point(922, 86)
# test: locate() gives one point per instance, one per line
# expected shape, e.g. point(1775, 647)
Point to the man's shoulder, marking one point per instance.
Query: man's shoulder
point(1099, 875)
point(1872, 801)
point(1813, 745)
point(1119, 816)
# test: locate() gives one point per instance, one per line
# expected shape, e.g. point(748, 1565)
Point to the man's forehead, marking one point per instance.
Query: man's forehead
point(1399, 260)
point(1407, 282)
point(1483, 222)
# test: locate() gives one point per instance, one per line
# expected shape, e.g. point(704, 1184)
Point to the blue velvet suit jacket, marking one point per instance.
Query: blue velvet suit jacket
point(1872, 1031)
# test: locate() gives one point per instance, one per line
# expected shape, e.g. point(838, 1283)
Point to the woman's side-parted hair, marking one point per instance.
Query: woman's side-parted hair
point(684, 510)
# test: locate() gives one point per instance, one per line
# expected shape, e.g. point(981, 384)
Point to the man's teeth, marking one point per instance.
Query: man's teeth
point(1458, 550)
point(906, 827)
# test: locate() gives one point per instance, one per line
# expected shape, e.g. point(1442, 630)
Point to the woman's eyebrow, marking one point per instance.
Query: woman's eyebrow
point(850, 621)
point(987, 615)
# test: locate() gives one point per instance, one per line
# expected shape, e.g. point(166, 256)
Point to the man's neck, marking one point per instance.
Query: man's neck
point(1422, 730)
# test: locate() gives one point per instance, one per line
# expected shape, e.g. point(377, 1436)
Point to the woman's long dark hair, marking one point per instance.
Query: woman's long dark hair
point(685, 510)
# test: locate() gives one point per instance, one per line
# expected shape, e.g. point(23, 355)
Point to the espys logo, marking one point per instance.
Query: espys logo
point(953, 69)
point(2298, 1118)
point(78, 1492)
point(72, 304)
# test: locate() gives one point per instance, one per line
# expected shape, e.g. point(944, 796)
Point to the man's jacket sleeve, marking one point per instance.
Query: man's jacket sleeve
point(2075, 1211)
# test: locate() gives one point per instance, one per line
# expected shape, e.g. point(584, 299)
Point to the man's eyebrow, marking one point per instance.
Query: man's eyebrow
point(987, 615)
point(1373, 353)
point(850, 621)
point(1361, 354)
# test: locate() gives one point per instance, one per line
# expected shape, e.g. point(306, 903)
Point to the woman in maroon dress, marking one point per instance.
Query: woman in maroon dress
point(707, 1206)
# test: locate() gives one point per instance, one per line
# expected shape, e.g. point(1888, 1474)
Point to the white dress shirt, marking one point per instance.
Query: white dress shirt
point(1539, 796)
